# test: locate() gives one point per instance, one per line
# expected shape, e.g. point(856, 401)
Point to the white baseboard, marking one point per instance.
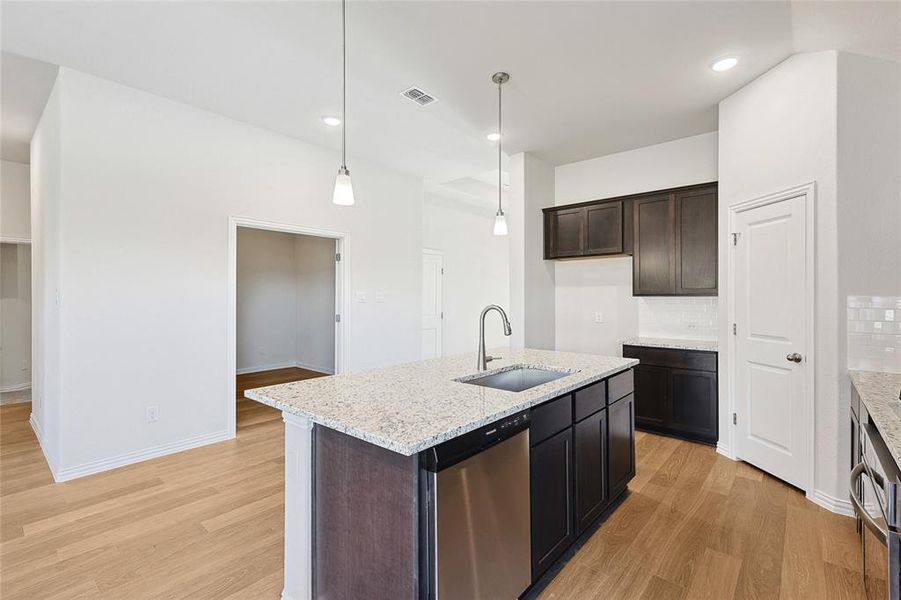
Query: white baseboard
point(105, 464)
point(38, 432)
point(316, 368)
point(16, 387)
point(263, 368)
point(723, 449)
point(831, 503)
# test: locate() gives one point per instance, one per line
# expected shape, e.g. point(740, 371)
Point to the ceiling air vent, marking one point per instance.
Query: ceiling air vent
point(418, 96)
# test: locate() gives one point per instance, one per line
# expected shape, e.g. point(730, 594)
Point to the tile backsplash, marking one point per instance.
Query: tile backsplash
point(678, 317)
point(874, 333)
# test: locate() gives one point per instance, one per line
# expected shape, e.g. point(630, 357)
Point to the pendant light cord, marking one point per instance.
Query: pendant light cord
point(343, 84)
point(500, 141)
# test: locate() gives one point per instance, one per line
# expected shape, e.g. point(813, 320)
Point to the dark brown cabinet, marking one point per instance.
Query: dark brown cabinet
point(591, 468)
point(676, 392)
point(552, 487)
point(580, 463)
point(592, 230)
point(696, 242)
point(621, 444)
point(653, 257)
point(671, 234)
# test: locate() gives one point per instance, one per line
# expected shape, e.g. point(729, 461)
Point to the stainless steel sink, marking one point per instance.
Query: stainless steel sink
point(517, 378)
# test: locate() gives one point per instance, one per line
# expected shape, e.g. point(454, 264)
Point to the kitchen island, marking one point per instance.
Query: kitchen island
point(359, 510)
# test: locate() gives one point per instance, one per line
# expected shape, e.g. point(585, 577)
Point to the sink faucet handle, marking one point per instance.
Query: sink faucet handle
point(490, 358)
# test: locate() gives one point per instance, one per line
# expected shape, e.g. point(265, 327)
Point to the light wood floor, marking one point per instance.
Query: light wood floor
point(207, 523)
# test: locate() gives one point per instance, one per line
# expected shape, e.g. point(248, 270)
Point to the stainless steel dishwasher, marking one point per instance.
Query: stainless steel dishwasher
point(479, 513)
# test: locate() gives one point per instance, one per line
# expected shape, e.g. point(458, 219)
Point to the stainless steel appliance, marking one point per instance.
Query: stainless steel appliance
point(876, 497)
point(478, 512)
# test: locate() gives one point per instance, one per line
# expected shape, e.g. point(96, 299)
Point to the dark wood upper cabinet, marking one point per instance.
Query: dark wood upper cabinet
point(565, 233)
point(696, 242)
point(653, 257)
point(604, 227)
point(671, 235)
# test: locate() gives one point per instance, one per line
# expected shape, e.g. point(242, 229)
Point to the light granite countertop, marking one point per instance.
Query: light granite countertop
point(879, 393)
point(677, 344)
point(410, 407)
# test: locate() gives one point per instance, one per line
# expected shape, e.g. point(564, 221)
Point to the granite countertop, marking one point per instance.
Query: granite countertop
point(704, 345)
point(410, 407)
point(879, 393)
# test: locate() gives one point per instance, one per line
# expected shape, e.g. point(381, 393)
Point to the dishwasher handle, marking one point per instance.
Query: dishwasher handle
point(856, 473)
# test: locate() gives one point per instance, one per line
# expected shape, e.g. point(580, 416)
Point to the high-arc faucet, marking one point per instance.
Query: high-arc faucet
point(483, 359)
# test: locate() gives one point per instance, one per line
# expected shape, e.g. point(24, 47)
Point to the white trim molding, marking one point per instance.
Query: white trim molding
point(5, 239)
point(105, 464)
point(342, 297)
point(298, 583)
point(808, 191)
point(725, 450)
point(831, 503)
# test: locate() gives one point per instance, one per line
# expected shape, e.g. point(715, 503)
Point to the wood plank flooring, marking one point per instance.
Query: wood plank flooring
point(207, 523)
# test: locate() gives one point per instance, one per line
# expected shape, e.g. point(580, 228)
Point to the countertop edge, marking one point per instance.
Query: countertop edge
point(410, 450)
point(672, 344)
point(887, 422)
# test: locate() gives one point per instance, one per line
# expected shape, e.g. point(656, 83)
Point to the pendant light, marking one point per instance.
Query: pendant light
point(344, 191)
point(500, 220)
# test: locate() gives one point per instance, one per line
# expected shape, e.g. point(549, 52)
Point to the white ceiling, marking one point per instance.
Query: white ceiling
point(25, 85)
point(588, 78)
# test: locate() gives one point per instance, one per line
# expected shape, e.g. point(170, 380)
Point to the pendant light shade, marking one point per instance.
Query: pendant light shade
point(344, 190)
point(500, 220)
point(500, 223)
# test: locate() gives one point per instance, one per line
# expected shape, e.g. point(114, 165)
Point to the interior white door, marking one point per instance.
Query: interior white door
point(432, 303)
point(771, 307)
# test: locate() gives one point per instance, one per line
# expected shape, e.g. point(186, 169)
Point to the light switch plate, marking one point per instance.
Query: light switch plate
point(361, 297)
point(598, 317)
point(380, 296)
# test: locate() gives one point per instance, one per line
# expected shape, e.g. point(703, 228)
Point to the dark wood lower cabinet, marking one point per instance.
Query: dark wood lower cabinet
point(673, 399)
point(621, 444)
point(591, 468)
point(552, 487)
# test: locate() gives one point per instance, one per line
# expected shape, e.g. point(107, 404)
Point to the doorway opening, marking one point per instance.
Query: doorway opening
point(15, 322)
point(285, 310)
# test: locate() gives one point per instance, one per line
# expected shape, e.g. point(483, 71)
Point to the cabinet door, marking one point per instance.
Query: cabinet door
point(693, 403)
point(604, 223)
point(566, 232)
point(552, 485)
point(696, 242)
point(591, 468)
point(621, 452)
point(651, 392)
point(653, 264)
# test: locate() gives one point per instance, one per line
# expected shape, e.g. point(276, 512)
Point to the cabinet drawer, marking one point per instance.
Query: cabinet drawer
point(590, 400)
point(672, 358)
point(550, 418)
point(621, 384)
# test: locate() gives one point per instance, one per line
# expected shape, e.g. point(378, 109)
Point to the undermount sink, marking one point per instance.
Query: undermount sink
point(516, 378)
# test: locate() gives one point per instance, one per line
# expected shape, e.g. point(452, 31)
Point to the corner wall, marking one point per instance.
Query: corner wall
point(138, 194)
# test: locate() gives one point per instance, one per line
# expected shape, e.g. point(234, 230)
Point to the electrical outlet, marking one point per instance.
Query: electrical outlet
point(598, 317)
point(153, 414)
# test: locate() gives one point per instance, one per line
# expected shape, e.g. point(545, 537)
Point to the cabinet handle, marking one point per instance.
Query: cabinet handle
point(856, 473)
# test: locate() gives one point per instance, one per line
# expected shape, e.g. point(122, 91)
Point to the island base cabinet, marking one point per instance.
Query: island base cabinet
point(621, 444)
point(590, 446)
point(551, 484)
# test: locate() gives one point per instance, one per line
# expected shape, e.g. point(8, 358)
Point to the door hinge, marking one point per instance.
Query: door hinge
point(442, 270)
point(338, 257)
point(735, 237)
point(734, 329)
point(734, 419)
point(442, 314)
point(337, 318)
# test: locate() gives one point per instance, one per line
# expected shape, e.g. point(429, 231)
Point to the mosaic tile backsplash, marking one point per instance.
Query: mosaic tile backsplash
point(874, 333)
point(681, 318)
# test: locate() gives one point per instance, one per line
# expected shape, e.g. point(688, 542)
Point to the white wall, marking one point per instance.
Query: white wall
point(315, 267)
point(266, 302)
point(476, 271)
point(586, 287)
point(139, 195)
point(15, 316)
point(15, 201)
point(532, 297)
point(779, 132)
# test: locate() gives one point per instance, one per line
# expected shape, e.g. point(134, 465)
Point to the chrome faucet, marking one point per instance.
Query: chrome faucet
point(483, 359)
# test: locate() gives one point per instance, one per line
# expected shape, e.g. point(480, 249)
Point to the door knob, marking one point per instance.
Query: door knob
point(794, 357)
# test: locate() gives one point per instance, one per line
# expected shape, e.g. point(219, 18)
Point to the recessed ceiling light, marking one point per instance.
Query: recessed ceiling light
point(493, 137)
point(724, 64)
point(331, 121)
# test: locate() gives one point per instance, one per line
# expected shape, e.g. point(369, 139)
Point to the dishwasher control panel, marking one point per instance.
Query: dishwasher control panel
point(468, 444)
